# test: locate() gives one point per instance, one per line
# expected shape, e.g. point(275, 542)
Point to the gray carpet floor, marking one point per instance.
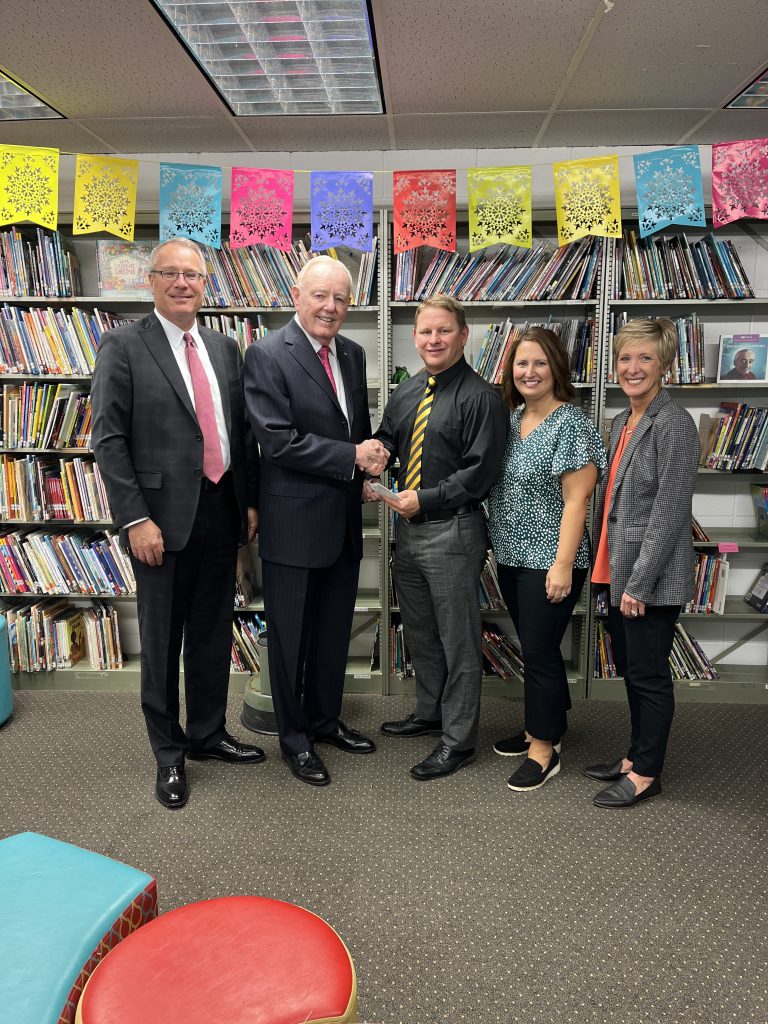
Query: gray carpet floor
point(460, 900)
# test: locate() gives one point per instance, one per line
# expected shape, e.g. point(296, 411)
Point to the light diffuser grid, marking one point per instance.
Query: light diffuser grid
point(283, 56)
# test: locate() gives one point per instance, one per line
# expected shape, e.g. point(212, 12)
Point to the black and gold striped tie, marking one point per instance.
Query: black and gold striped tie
point(413, 473)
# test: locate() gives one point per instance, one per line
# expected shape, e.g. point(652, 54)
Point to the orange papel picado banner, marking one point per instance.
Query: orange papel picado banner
point(587, 198)
point(29, 185)
point(105, 195)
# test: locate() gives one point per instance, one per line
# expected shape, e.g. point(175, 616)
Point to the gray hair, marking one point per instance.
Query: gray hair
point(317, 263)
point(187, 243)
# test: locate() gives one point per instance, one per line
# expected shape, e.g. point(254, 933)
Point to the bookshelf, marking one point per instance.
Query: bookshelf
point(736, 642)
point(516, 308)
point(25, 368)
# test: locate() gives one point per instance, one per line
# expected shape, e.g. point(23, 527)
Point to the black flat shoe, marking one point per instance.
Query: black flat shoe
point(350, 740)
point(230, 750)
point(530, 775)
point(171, 787)
point(442, 761)
point(623, 793)
point(604, 772)
point(412, 726)
point(308, 767)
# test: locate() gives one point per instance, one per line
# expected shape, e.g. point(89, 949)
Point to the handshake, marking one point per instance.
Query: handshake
point(371, 456)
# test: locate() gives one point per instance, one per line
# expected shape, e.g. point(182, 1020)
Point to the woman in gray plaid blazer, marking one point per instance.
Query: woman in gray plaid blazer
point(645, 551)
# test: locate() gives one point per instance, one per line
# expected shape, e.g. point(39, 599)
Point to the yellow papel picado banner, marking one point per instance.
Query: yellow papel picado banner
point(105, 195)
point(587, 198)
point(499, 206)
point(29, 185)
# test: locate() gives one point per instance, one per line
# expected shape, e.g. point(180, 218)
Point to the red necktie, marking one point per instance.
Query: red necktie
point(325, 359)
point(213, 462)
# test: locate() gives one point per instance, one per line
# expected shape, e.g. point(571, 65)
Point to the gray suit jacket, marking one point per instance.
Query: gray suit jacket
point(649, 520)
point(146, 438)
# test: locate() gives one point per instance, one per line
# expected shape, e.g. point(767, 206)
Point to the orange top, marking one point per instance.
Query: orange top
point(601, 573)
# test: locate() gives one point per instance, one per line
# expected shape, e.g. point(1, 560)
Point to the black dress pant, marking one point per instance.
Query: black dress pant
point(190, 596)
point(641, 648)
point(540, 625)
point(309, 615)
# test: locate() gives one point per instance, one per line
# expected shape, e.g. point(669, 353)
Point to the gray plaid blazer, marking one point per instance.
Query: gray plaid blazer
point(649, 519)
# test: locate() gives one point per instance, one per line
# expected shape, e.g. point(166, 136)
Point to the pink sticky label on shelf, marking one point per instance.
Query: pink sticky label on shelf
point(726, 547)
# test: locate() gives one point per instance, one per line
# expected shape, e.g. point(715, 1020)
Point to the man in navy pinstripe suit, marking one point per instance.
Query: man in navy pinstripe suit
point(307, 400)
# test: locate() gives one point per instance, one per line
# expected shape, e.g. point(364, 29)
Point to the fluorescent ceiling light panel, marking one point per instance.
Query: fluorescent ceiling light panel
point(16, 104)
point(283, 56)
point(755, 95)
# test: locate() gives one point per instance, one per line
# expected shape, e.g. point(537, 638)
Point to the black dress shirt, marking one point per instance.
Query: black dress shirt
point(464, 441)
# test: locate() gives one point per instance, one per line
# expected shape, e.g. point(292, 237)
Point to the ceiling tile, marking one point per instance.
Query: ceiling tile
point(690, 53)
point(97, 59)
point(466, 131)
point(732, 125)
point(619, 127)
point(323, 132)
point(66, 135)
point(162, 134)
point(459, 56)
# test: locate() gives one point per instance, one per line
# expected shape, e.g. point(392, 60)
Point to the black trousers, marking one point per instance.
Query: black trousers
point(190, 596)
point(540, 625)
point(309, 615)
point(641, 648)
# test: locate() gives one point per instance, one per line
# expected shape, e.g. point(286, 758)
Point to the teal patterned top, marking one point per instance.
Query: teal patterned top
point(526, 504)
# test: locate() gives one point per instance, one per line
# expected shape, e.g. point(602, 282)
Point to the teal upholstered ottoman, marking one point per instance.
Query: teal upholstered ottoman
point(61, 910)
point(6, 694)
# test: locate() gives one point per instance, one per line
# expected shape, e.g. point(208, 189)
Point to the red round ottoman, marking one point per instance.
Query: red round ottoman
point(239, 959)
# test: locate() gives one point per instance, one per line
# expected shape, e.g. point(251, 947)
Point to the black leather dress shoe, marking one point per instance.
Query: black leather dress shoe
point(442, 761)
point(308, 767)
point(412, 726)
point(605, 772)
point(231, 750)
point(623, 793)
point(347, 739)
point(171, 787)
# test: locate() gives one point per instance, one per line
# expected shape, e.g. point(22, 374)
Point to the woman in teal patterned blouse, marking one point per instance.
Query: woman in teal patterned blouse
point(537, 520)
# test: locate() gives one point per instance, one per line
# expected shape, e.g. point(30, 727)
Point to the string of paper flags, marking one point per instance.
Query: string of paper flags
point(587, 200)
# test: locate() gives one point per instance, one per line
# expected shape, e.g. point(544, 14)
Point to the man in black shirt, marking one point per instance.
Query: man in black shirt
point(448, 429)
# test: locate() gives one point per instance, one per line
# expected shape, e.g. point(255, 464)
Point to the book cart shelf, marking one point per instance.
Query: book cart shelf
point(399, 318)
point(363, 324)
point(736, 641)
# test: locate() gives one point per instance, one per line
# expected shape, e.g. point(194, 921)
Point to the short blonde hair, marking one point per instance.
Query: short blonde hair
point(661, 332)
point(445, 302)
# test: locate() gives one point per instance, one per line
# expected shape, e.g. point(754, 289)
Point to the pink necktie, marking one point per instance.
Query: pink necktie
point(325, 359)
point(213, 463)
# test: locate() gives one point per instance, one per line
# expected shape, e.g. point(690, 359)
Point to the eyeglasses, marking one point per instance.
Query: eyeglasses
point(192, 276)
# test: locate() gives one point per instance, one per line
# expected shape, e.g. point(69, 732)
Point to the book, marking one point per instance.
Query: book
point(123, 269)
point(757, 595)
point(743, 358)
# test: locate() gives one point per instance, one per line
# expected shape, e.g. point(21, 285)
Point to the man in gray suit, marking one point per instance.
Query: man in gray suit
point(181, 472)
point(307, 399)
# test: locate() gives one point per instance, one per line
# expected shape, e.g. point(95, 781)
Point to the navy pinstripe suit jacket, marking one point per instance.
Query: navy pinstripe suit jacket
point(310, 492)
point(649, 520)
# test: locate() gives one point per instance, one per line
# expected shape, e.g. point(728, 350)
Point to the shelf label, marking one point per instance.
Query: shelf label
point(361, 675)
point(726, 547)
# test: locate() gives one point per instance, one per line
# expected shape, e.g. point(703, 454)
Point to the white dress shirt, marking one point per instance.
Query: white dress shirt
point(335, 370)
point(175, 336)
